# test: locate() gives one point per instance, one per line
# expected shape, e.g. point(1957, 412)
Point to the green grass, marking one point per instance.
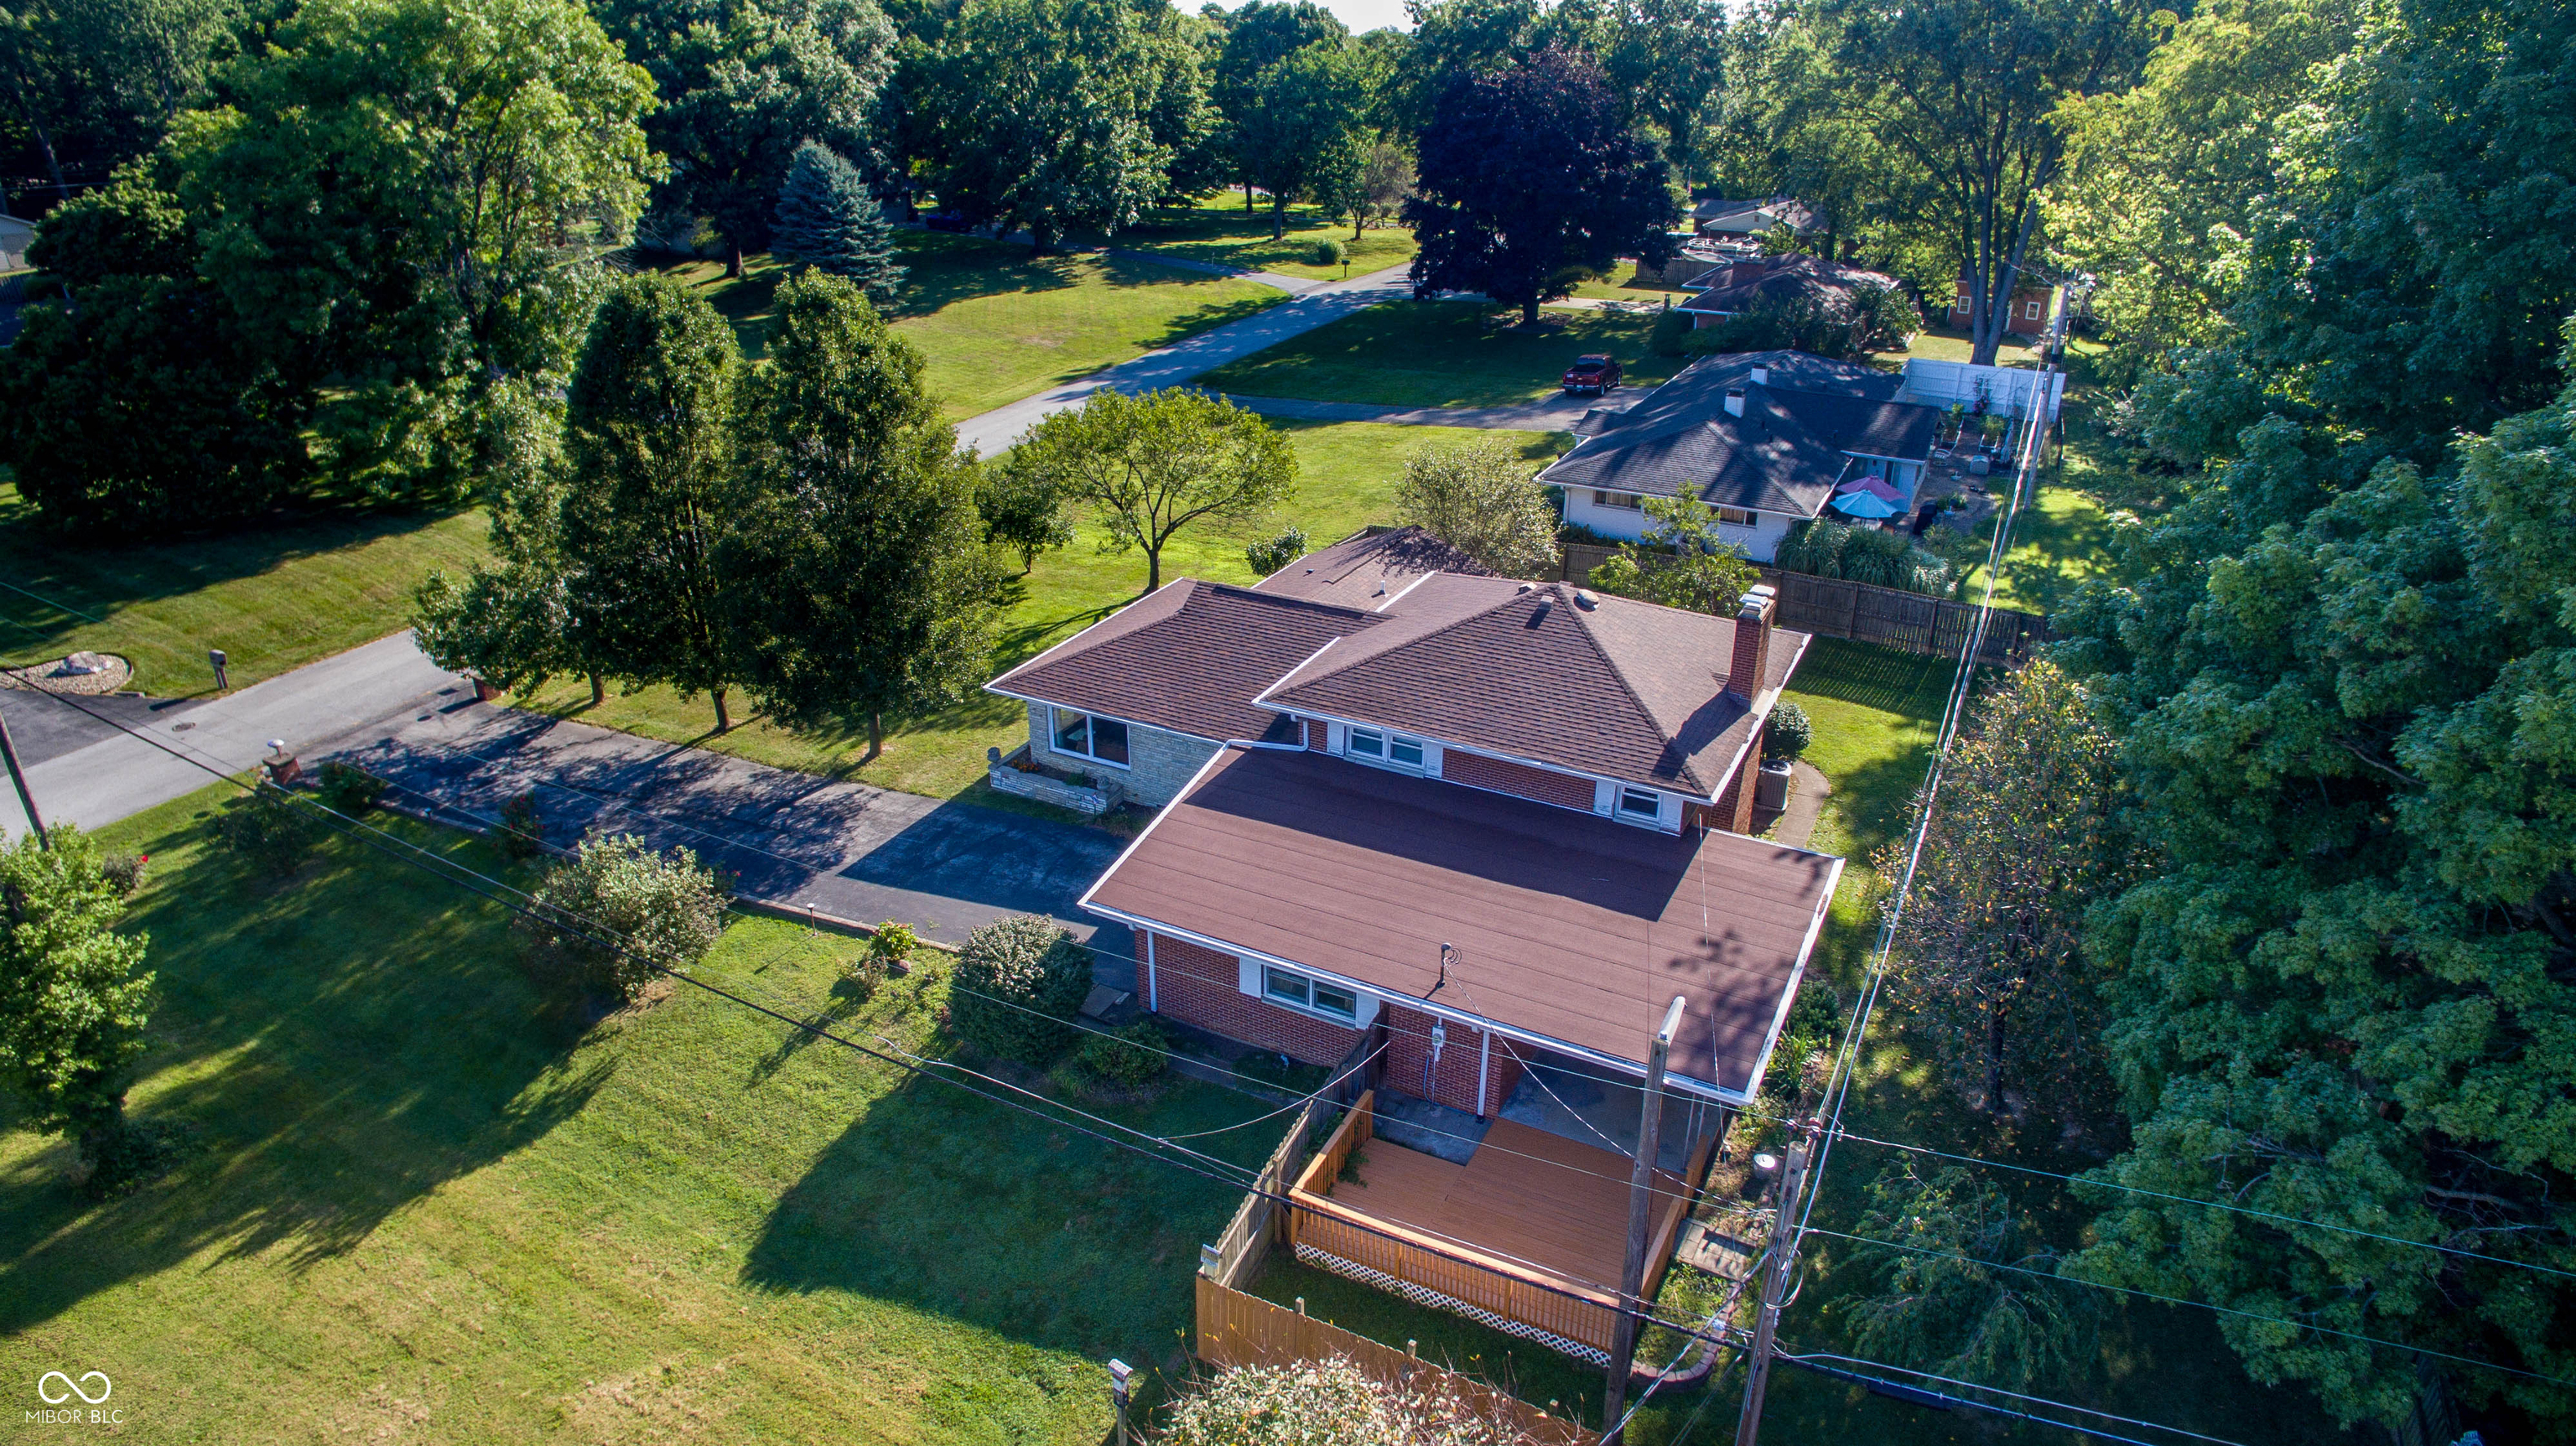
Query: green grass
point(1217, 230)
point(1946, 343)
point(1347, 475)
point(1621, 285)
point(421, 1215)
point(274, 595)
point(997, 323)
point(1441, 354)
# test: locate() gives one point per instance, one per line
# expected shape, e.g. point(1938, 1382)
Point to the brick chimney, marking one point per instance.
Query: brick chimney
point(1752, 642)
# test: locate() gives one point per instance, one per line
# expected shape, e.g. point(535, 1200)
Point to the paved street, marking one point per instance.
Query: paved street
point(1175, 364)
point(105, 775)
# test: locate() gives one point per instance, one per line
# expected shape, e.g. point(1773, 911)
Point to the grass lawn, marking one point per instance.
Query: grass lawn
point(422, 1216)
point(1621, 285)
point(997, 323)
point(274, 595)
point(1347, 475)
point(1946, 343)
point(1217, 229)
point(1441, 354)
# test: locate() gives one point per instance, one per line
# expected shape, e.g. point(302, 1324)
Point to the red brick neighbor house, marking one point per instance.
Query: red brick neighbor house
point(1477, 832)
point(2031, 308)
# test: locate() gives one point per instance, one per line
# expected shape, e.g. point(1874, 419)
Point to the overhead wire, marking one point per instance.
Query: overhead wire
point(1806, 1356)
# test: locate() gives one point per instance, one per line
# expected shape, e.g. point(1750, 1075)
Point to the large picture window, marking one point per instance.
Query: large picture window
point(1088, 735)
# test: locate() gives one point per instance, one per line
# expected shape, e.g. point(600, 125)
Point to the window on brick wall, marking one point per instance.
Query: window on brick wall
point(1641, 805)
point(1089, 736)
point(1373, 745)
point(1282, 986)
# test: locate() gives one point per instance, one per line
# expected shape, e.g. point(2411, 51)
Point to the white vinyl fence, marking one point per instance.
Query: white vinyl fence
point(2008, 390)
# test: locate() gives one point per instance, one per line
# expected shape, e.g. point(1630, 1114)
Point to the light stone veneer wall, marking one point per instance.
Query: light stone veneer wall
point(1160, 763)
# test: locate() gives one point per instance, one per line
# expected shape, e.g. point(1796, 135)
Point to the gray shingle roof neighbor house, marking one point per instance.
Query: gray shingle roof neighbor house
point(1753, 218)
point(1741, 285)
point(1802, 423)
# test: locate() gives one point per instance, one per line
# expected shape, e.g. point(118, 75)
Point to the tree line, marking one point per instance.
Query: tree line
point(2264, 881)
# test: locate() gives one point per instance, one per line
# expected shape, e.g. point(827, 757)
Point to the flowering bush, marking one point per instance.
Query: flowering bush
point(1329, 1403)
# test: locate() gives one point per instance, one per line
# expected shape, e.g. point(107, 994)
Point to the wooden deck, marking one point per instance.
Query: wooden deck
point(1525, 1195)
point(1530, 1235)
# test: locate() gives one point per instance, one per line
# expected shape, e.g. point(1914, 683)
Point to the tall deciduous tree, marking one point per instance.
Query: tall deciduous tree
point(394, 204)
point(72, 992)
point(861, 585)
point(1482, 498)
point(1297, 125)
point(1963, 91)
point(1041, 113)
point(648, 461)
point(1685, 561)
point(92, 84)
point(1259, 36)
point(827, 220)
point(2026, 835)
point(743, 84)
point(1152, 465)
point(1530, 181)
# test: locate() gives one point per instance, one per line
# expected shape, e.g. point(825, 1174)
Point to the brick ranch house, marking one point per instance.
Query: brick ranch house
point(1478, 831)
point(1769, 439)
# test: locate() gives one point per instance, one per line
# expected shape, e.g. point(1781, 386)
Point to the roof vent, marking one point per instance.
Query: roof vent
point(1762, 376)
point(1735, 401)
point(1586, 599)
point(1525, 587)
point(1538, 614)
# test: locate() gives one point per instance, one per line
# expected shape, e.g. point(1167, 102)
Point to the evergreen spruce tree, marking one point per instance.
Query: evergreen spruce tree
point(828, 220)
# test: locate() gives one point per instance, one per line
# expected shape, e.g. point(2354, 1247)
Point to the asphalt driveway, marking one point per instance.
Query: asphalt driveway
point(792, 839)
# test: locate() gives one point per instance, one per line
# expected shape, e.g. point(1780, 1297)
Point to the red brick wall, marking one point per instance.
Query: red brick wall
point(1734, 809)
point(1477, 771)
point(1319, 736)
point(1203, 987)
point(1453, 1079)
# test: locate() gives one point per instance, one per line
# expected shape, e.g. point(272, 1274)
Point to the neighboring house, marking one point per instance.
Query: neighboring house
point(1754, 219)
point(2030, 310)
point(1728, 290)
point(1764, 437)
point(14, 238)
point(1478, 833)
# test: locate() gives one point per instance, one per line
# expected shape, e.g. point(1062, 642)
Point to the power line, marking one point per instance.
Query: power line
point(1942, 1401)
point(2296, 1325)
point(2084, 1182)
point(2000, 1391)
point(49, 602)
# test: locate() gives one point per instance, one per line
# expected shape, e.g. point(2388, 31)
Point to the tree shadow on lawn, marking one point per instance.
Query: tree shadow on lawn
point(1910, 685)
point(347, 1041)
point(993, 1216)
point(101, 577)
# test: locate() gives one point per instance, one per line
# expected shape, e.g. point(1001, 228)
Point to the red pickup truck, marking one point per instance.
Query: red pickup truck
point(1598, 375)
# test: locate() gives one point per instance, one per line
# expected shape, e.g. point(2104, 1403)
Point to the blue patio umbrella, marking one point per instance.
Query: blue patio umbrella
point(1861, 504)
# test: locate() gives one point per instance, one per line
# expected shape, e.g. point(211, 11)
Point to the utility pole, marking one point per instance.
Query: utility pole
point(1775, 1284)
point(1641, 1205)
point(18, 776)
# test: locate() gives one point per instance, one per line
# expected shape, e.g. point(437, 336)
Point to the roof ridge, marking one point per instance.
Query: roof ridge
point(1283, 599)
point(1413, 642)
point(1581, 613)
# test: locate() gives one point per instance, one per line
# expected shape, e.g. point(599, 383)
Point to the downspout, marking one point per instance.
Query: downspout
point(1153, 994)
point(1484, 1062)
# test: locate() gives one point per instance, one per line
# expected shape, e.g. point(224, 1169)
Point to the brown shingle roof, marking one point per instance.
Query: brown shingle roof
point(1189, 657)
point(1369, 570)
point(1620, 689)
point(1570, 928)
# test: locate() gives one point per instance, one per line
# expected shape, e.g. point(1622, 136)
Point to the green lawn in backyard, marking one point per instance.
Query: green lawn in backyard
point(422, 1216)
point(997, 322)
point(275, 594)
point(1441, 354)
point(1945, 343)
point(1346, 478)
point(1621, 285)
point(1216, 229)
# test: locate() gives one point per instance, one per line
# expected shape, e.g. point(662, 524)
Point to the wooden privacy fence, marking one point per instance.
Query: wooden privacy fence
point(1834, 607)
point(1242, 1330)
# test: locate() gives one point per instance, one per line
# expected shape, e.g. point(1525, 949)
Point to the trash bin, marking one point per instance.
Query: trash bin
point(1771, 789)
point(1978, 466)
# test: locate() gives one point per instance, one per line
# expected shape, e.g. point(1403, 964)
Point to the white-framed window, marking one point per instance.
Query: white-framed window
point(1376, 745)
point(1641, 804)
point(2030, 311)
point(1735, 517)
point(1088, 735)
point(1629, 500)
point(1282, 986)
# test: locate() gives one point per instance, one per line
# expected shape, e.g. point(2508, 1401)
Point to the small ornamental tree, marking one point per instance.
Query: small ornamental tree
point(1684, 562)
point(1483, 499)
point(827, 219)
point(1152, 465)
point(1788, 732)
point(608, 915)
point(1016, 984)
point(72, 994)
point(1021, 509)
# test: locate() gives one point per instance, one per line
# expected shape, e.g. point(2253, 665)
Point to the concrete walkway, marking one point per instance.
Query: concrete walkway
point(113, 775)
point(790, 839)
point(1173, 365)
